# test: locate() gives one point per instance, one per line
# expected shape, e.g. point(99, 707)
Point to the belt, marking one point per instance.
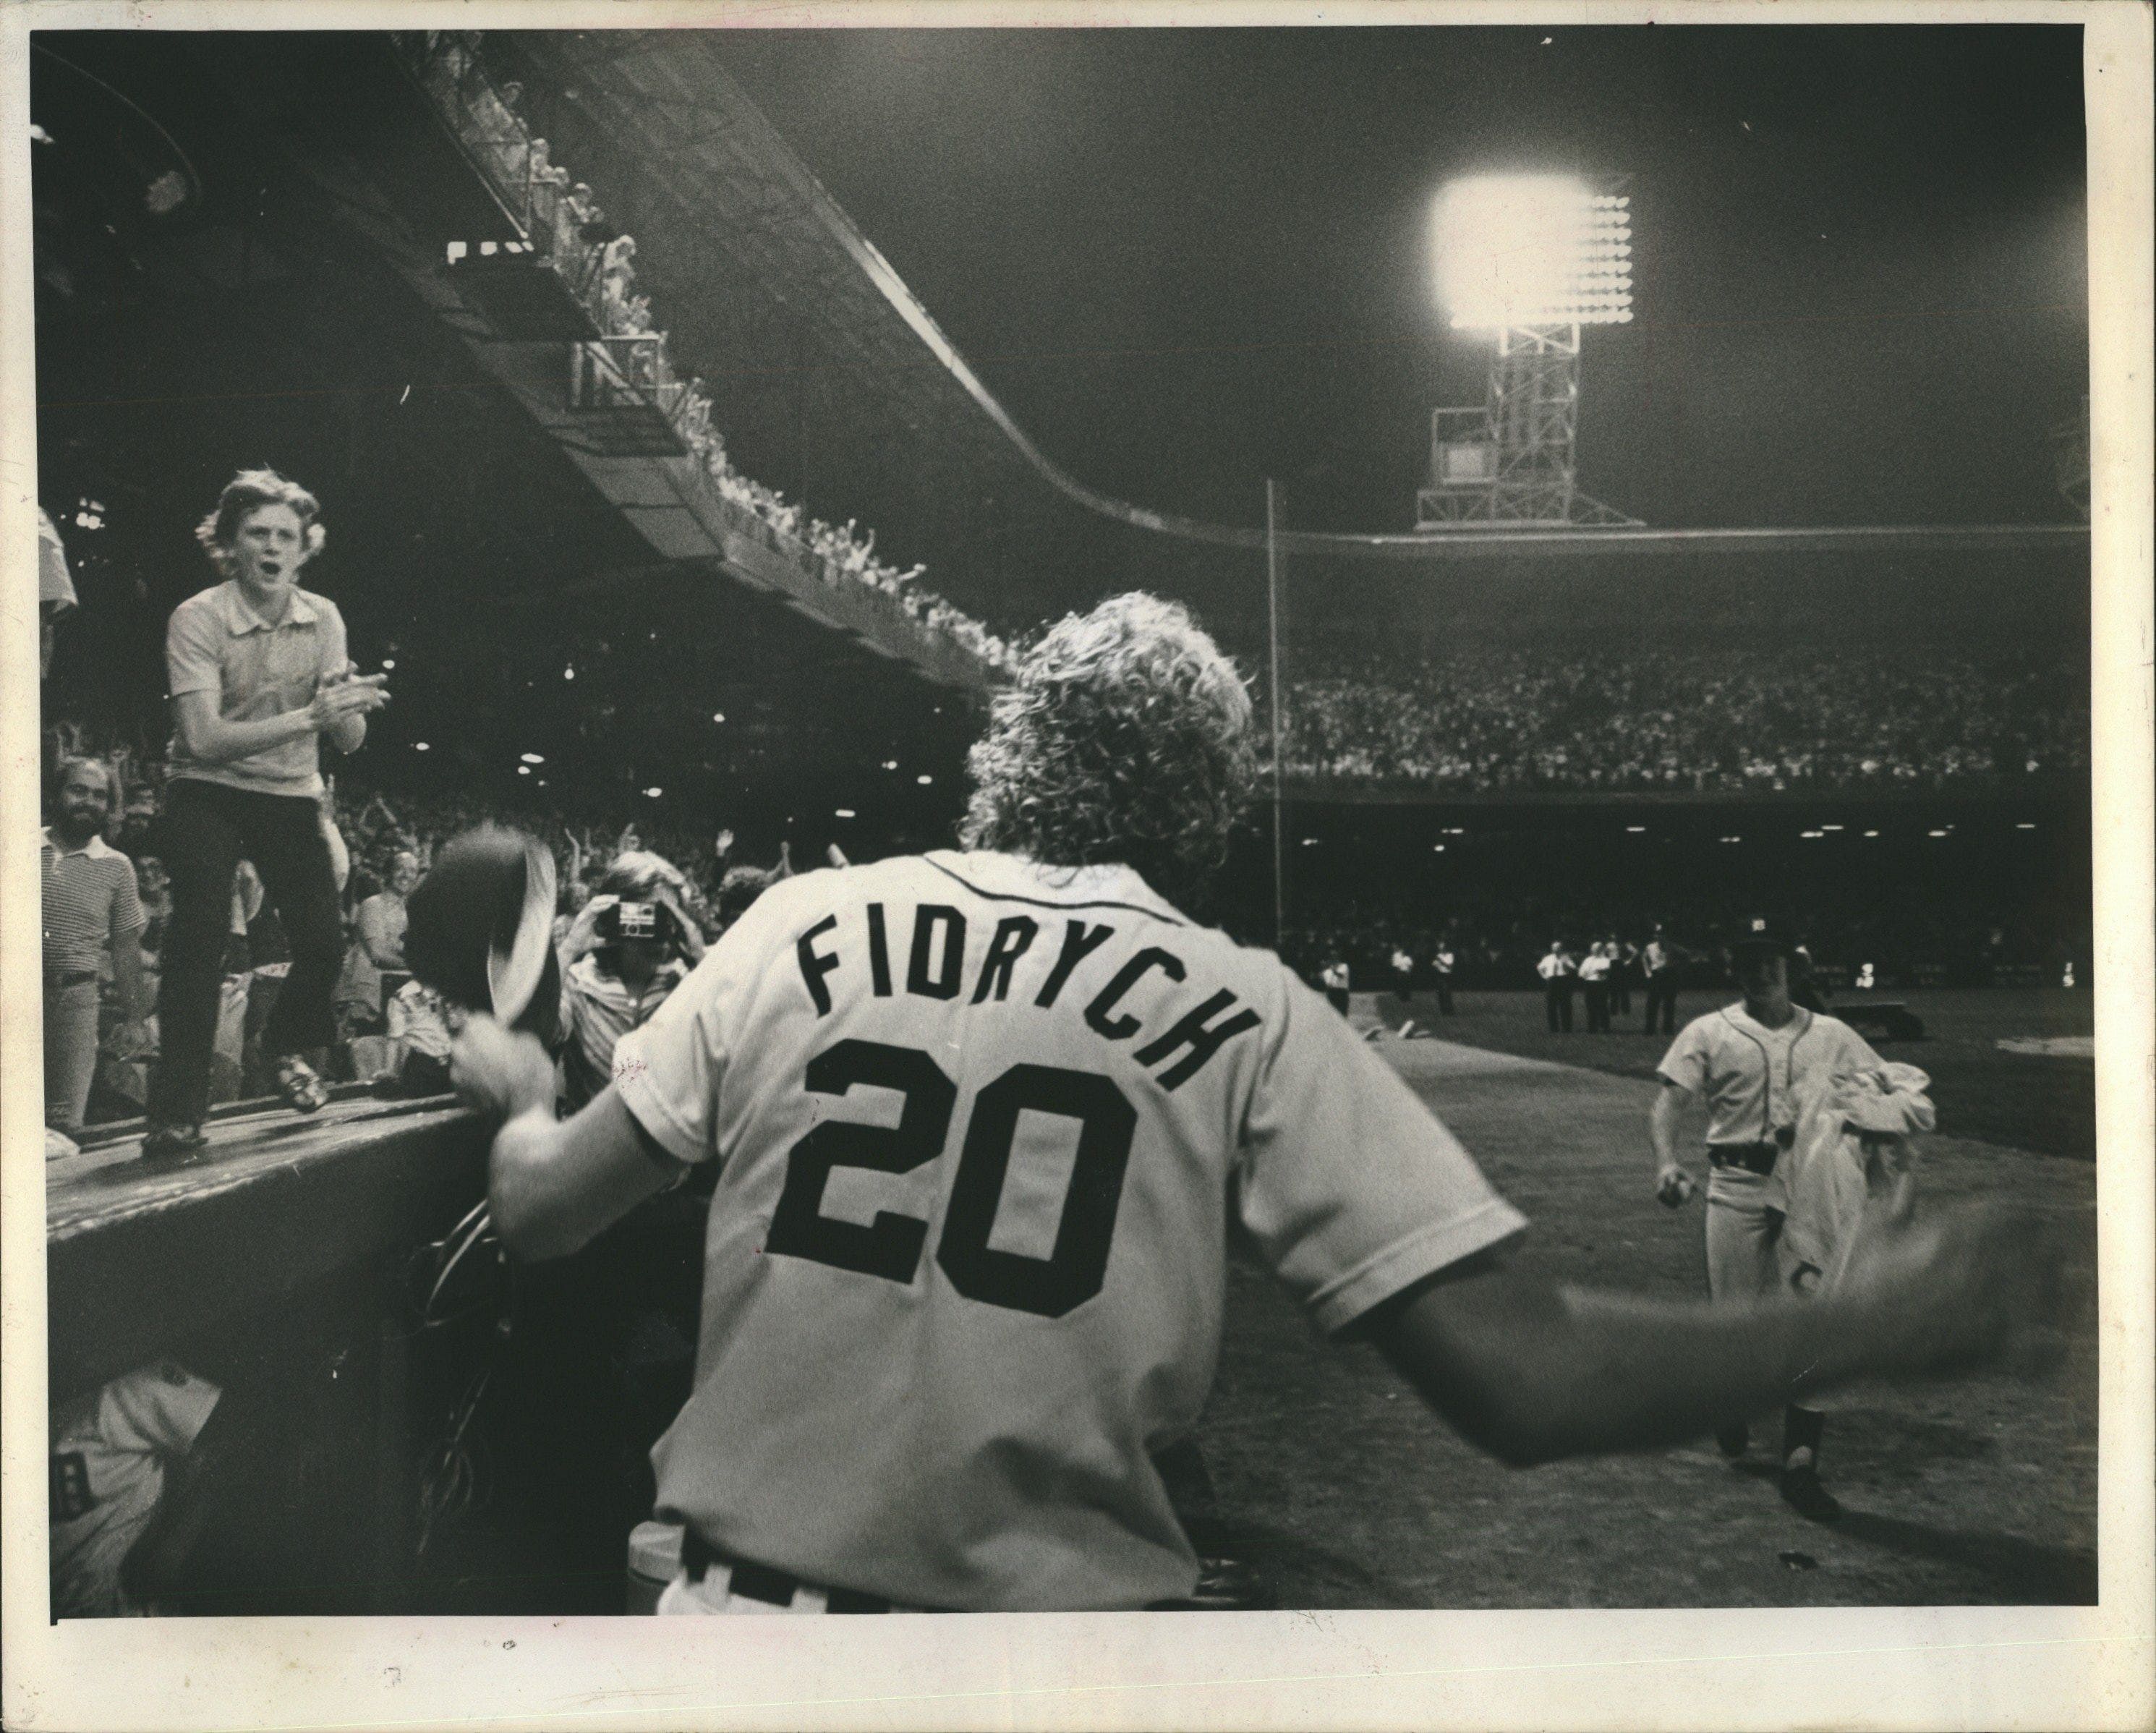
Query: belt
point(64, 977)
point(1752, 1158)
point(761, 1582)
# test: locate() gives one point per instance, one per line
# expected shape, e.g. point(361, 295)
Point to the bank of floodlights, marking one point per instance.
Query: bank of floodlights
point(1520, 251)
point(1527, 260)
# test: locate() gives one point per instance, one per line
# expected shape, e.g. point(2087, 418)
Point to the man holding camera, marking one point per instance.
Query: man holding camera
point(628, 947)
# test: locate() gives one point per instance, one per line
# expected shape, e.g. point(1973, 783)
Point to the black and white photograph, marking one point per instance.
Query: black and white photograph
point(1270, 819)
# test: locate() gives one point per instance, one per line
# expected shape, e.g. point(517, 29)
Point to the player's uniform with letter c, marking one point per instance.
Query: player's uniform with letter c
point(981, 1124)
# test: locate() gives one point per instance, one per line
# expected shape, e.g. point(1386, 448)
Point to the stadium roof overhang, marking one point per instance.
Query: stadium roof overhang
point(710, 155)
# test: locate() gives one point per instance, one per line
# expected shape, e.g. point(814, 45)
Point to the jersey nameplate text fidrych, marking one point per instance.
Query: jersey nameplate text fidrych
point(980, 1125)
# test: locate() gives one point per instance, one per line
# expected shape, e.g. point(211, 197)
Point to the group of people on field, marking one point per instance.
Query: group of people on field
point(1603, 973)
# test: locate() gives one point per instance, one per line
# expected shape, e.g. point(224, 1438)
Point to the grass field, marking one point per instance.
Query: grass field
point(1336, 1483)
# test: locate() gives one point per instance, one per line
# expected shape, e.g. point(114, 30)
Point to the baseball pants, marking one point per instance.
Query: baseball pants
point(1744, 1263)
point(1744, 1218)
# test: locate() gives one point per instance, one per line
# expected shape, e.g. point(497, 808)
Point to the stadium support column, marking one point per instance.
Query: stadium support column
point(1273, 653)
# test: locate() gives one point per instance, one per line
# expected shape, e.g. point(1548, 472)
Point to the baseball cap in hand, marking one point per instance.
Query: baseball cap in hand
point(479, 930)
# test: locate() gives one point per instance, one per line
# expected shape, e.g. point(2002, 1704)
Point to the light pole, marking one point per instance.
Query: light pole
point(1529, 259)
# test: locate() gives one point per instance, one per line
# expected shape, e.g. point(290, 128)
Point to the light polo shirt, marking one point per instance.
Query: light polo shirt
point(90, 903)
point(1751, 1076)
point(983, 1126)
point(1554, 966)
point(215, 643)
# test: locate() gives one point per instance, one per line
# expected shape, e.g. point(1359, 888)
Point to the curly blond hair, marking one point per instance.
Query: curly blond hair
point(1126, 738)
point(247, 491)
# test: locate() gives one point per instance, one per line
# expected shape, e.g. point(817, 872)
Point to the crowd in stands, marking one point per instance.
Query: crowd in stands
point(1754, 721)
point(566, 225)
point(1750, 721)
point(390, 1028)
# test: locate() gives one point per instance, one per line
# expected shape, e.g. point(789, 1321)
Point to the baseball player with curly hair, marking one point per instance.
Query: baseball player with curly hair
point(983, 1119)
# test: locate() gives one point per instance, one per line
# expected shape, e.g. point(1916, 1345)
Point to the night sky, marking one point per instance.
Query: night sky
point(1185, 259)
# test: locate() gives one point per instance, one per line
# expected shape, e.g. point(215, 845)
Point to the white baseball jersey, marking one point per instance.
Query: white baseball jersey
point(980, 1124)
point(1753, 1077)
point(110, 1450)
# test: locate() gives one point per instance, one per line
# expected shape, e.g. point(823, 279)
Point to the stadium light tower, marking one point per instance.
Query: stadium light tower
point(1529, 259)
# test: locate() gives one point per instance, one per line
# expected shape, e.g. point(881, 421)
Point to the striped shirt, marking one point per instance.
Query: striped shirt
point(215, 643)
point(89, 902)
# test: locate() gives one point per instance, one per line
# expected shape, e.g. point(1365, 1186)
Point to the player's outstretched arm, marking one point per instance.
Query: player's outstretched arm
point(554, 1185)
point(1531, 1371)
point(551, 1183)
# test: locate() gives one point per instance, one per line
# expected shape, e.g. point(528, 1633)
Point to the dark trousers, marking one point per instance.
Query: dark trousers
point(1445, 995)
point(207, 831)
point(1620, 993)
point(1598, 1007)
point(1557, 1003)
point(1662, 1000)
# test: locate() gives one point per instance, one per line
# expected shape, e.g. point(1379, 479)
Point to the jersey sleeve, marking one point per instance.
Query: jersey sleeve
point(1685, 1063)
point(191, 657)
point(160, 1408)
point(667, 1069)
point(1351, 1189)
